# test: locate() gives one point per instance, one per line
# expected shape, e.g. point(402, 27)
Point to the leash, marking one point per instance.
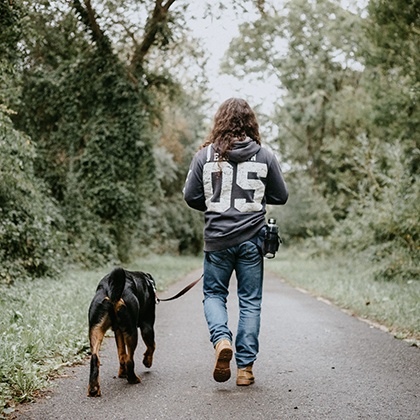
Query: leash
point(182, 292)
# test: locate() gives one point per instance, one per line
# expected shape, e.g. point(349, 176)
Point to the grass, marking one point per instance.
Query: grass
point(350, 285)
point(43, 326)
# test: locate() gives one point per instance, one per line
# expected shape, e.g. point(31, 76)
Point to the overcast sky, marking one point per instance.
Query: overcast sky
point(216, 35)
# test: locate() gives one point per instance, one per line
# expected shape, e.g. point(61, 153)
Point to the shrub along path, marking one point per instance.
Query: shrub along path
point(315, 362)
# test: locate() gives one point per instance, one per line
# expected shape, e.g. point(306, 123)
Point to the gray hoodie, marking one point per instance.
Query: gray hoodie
point(233, 193)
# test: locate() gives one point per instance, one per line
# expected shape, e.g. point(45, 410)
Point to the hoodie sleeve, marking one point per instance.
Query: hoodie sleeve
point(276, 191)
point(194, 189)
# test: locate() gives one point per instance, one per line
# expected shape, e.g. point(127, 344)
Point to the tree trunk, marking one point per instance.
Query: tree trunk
point(159, 16)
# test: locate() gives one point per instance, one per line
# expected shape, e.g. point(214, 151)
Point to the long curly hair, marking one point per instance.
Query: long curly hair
point(234, 121)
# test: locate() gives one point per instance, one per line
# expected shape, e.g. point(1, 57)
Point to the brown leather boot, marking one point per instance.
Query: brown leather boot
point(224, 353)
point(245, 376)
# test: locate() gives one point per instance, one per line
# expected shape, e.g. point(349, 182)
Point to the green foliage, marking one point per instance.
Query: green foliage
point(10, 17)
point(116, 170)
point(10, 23)
point(31, 242)
point(393, 54)
point(167, 224)
point(310, 49)
point(94, 149)
point(170, 226)
point(100, 129)
point(113, 128)
point(307, 213)
point(394, 29)
point(101, 115)
point(386, 227)
point(348, 119)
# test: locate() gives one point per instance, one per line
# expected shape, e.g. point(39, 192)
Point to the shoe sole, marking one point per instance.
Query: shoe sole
point(222, 368)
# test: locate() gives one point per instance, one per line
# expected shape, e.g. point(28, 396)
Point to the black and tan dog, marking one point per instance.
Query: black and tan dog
point(124, 301)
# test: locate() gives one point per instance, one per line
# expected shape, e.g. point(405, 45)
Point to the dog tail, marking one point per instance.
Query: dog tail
point(116, 284)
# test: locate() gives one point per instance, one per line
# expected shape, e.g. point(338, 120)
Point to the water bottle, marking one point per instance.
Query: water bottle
point(271, 242)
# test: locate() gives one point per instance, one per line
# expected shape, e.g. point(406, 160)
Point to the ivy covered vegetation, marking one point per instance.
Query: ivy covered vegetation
point(100, 114)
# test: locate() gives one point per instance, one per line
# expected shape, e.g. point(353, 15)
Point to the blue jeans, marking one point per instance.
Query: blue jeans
point(247, 262)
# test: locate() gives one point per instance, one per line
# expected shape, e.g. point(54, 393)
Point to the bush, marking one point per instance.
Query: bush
point(384, 224)
point(31, 242)
point(92, 130)
point(306, 214)
point(170, 227)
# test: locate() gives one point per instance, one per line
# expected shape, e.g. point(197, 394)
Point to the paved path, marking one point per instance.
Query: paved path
point(316, 362)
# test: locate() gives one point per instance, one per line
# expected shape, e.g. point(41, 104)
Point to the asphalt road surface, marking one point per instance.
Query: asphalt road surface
point(315, 362)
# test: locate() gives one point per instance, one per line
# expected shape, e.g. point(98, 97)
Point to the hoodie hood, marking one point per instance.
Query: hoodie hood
point(243, 150)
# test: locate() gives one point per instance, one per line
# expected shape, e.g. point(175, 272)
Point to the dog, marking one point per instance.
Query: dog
point(124, 301)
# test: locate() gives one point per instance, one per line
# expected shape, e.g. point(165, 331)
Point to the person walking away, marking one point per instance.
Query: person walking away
point(231, 179)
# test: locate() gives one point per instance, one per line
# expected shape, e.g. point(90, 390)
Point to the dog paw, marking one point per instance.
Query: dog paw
point(94, 391)
point(147, 361)
point(122, 372)
point(134, 380)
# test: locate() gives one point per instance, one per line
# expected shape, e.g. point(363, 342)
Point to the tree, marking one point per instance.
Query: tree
point(393, 54)
point(101, 91)
point(349, 118)
point(312, 48)
point(31, 225)
point(92, 114)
